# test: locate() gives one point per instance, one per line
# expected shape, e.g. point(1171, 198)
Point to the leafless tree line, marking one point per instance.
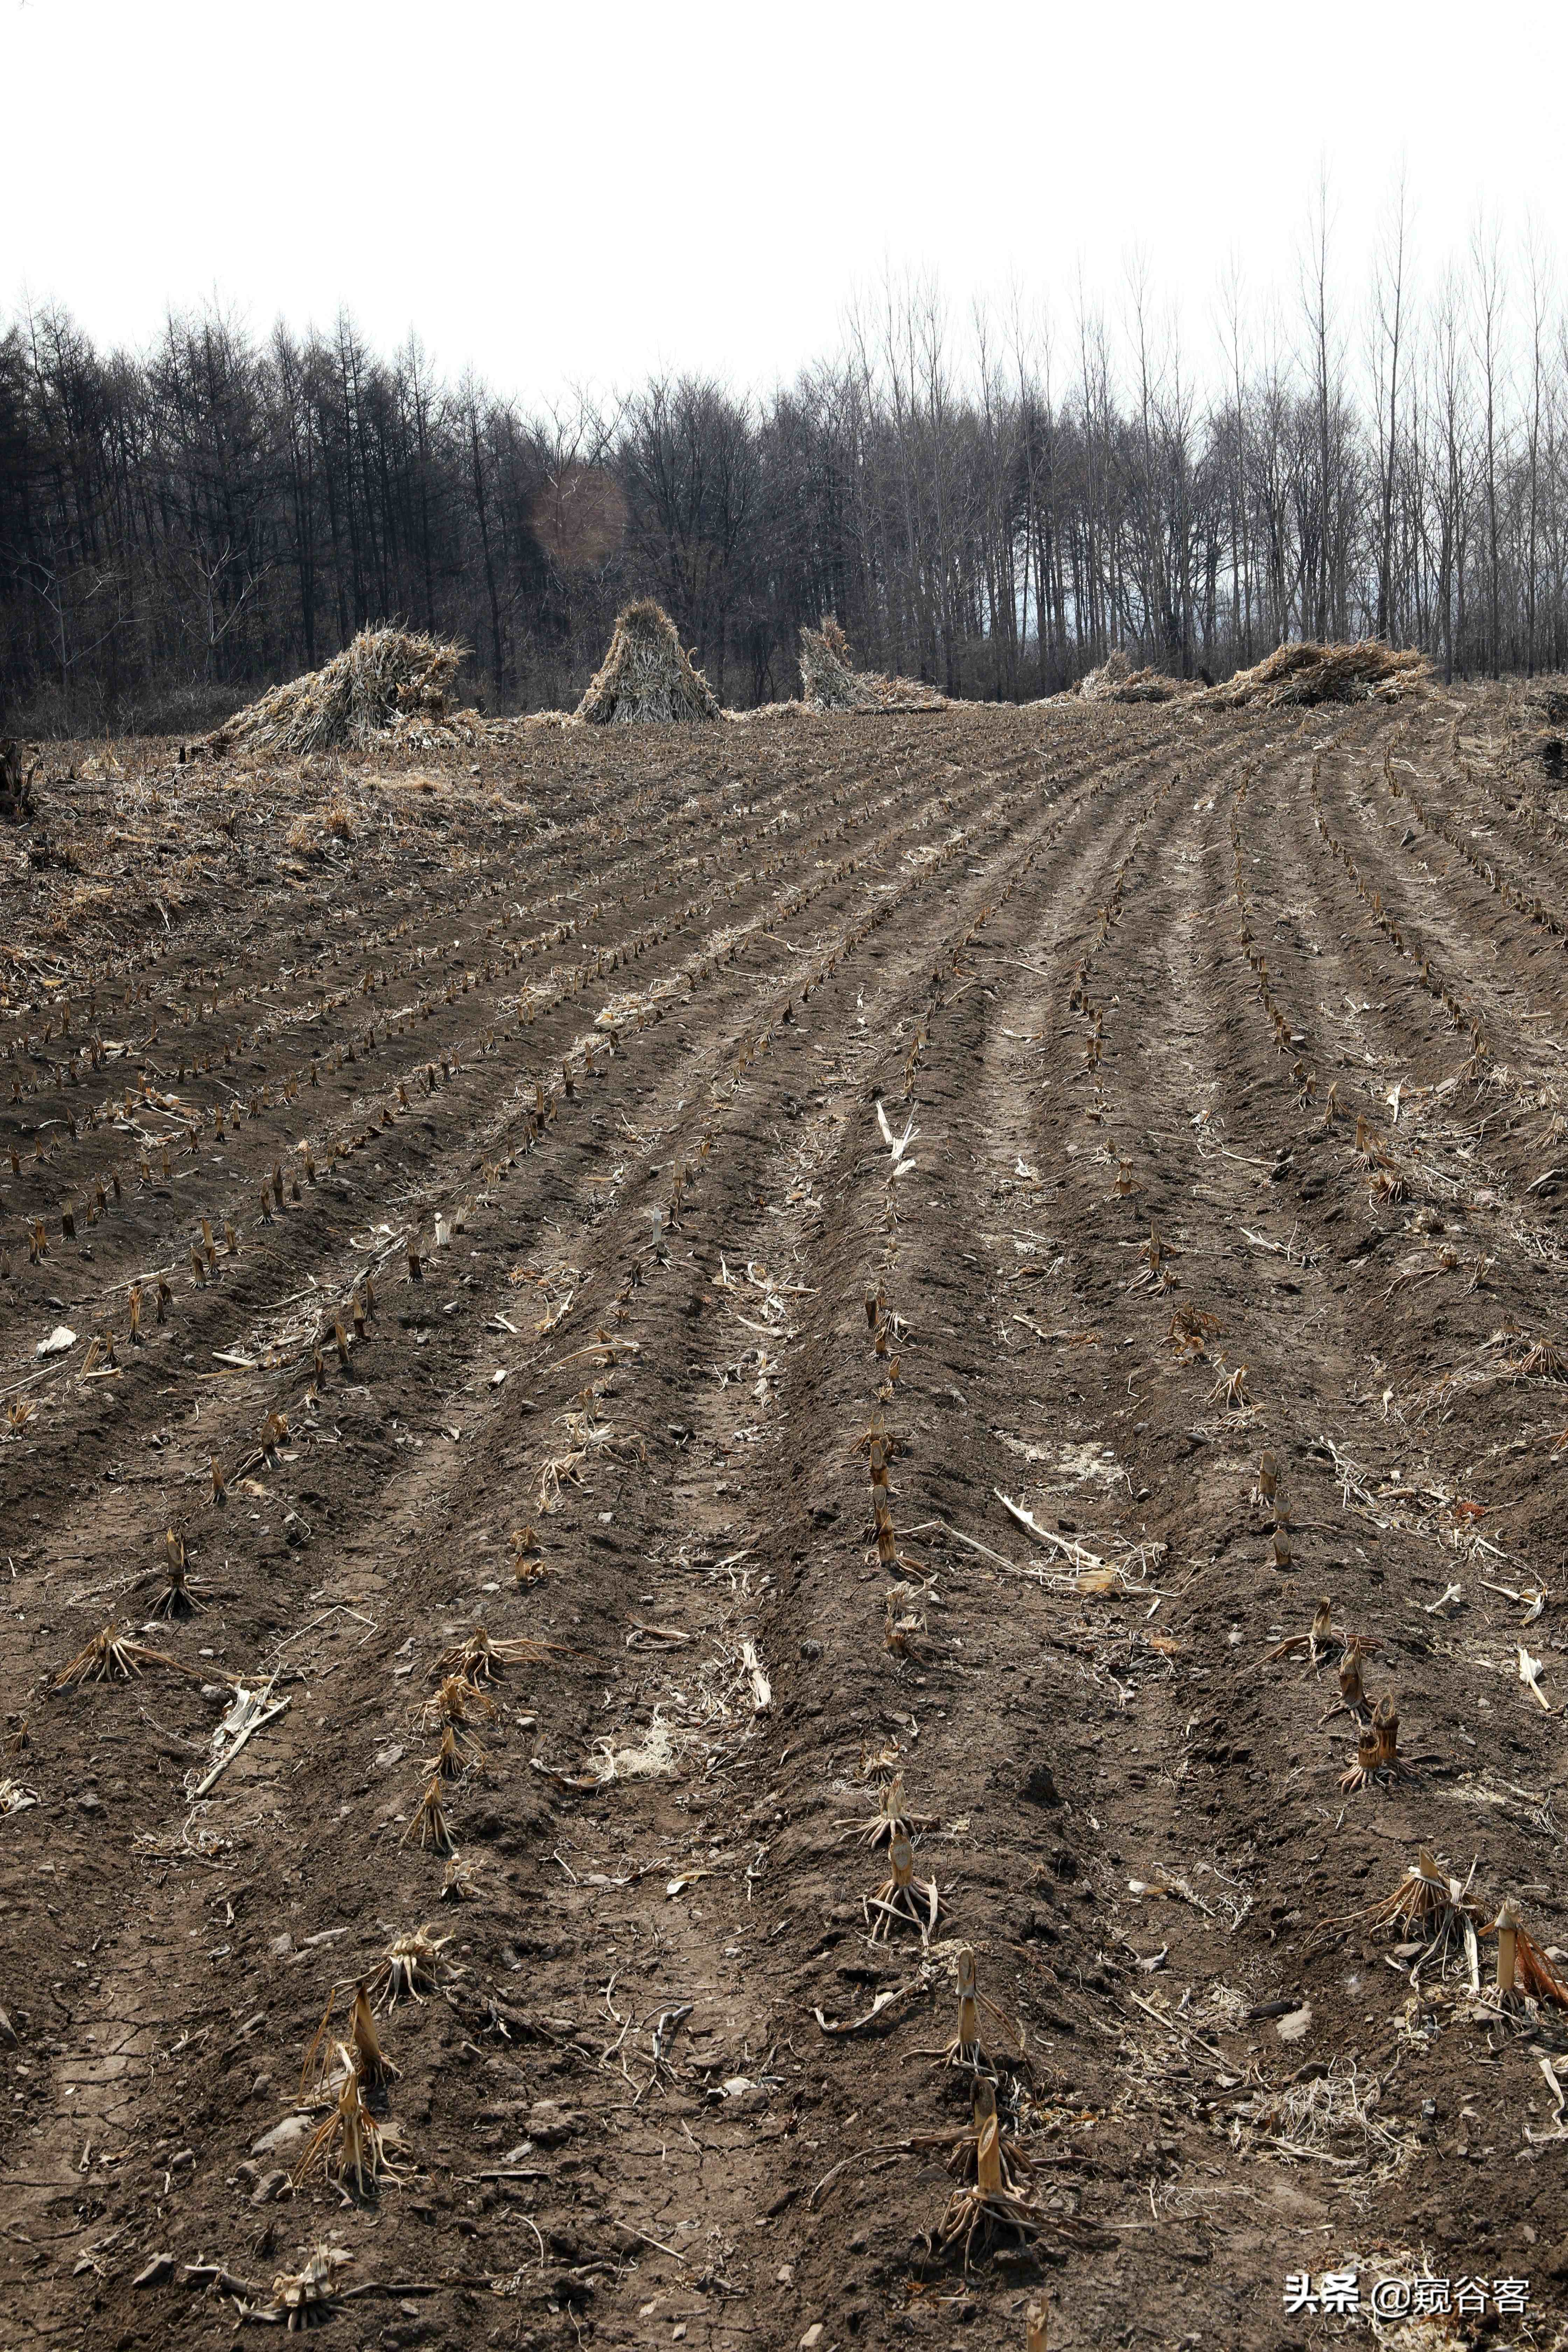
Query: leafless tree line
point(992, 504)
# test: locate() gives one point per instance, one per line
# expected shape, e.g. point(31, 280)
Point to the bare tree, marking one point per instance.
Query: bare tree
point(1537, 278)
point(1388, 297)
point(1487, 293)
point(1315, 303)
point(1239, 510)
point(1452, 406)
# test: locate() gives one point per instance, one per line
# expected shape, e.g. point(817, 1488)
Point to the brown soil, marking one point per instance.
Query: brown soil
point(620, 1010)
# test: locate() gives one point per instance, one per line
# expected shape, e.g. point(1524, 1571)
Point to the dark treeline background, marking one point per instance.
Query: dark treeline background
point(986, 506)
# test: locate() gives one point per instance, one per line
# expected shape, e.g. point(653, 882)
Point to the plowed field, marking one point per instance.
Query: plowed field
point(704, 1301)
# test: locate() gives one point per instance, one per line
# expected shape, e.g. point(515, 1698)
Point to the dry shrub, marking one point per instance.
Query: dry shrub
point(386, 680)
point(647, 675)
point(829, 681)
point(1366, 672)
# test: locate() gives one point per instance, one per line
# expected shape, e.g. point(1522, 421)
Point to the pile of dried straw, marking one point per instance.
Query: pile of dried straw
point(828, 680)
point(388, 681)
point(1116, 680)
point(646, 674)
point(1367, 672)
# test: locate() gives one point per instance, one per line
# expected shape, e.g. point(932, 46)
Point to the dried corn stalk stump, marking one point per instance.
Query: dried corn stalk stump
point(1430, 1914)
point(987, 2040)
point(902, 1900)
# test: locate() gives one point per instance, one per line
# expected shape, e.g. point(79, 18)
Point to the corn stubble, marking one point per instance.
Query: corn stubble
point(890, 1821)
point(1523, 1971)
point(479, 1660)
point(458, 1754)
point(303, 2298)
point(176, 1599)
point(994, 2204)
point(528, 1561)
point(112, 1656)
point(409, 1970)
point(1231, 1390)
point(457, 1703)
point(461, 1882)
point(1378, 1754)
point(1324, 1639)
point(347, 2146)
point(1428, 1912)
point(988, 2042)
point(361, 2049)
point(429, 1819)
point(1352, 1698)
point(1157, 1272)
point(901, 1900)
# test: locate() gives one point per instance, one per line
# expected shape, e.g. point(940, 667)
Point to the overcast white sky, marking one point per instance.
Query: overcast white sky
point(579, 194)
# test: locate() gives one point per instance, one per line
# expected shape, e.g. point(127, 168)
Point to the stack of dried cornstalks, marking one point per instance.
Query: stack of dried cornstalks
point(647, 675)
point(829, 681)
point(386, 680)
point(1116, 680)
point(1366, 672)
